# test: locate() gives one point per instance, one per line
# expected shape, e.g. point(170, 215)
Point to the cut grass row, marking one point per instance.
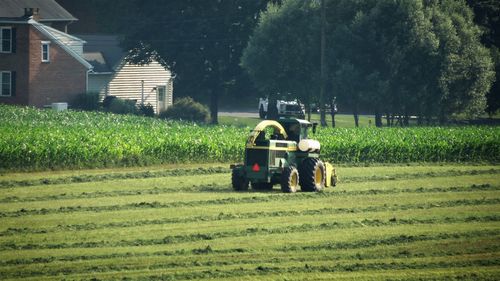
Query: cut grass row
point(424, 222)
point(33, 139)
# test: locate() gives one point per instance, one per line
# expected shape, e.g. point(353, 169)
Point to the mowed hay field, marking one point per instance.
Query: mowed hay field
point(437, 222)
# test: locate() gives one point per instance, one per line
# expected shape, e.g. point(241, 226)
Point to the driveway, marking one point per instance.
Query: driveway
point(239, 114)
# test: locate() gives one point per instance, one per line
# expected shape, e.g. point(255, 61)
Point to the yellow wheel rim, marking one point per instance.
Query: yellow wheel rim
point(318, 176)
point(294, 180)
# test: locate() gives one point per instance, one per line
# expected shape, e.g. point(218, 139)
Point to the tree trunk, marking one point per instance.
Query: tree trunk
point(214, 106)
point(406, 121)
point(420, 120)
point(356, 116)
point(322, 103)
point(378, 119)
point(272, 109)
point(388, 119)
point(332, 112)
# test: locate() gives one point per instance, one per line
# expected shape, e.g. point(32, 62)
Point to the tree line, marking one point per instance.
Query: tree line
point(392, 58)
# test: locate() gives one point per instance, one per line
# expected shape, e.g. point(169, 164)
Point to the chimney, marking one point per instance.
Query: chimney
point(32, 12)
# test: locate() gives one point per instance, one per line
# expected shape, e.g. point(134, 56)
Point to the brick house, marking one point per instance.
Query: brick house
point(39, 63)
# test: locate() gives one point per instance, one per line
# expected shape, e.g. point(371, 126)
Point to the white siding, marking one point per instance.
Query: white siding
point(98, 83)
point(126, 83)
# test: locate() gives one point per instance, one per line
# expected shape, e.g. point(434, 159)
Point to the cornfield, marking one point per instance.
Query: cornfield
point(43, 139)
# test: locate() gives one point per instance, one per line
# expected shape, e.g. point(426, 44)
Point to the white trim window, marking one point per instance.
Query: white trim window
point(45, 51)
point(5, 40)
point(5, 83)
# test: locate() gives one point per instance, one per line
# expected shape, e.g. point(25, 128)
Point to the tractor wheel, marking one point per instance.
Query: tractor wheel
point(262, 185)
point(290, 180)
point(239, 182)
point(262, 113)
point(312, 175)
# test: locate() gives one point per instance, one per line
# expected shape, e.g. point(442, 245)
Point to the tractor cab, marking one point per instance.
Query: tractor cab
point(276, 152)
point(297, 129)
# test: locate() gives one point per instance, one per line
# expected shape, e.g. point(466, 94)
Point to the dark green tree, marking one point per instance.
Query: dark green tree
point(400, 58)
point(487, 16)
point(201, 41)
point(282, 55)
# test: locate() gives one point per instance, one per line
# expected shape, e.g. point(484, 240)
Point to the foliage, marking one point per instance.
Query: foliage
point(399, 58)
point(86, 101)
point(38, 139)
point(487, 16)
point(186, 109)
point(122, 106)
point(287, 63)
point(202, 44)
point(146, 110)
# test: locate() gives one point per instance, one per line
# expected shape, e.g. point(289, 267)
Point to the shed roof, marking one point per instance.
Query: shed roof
point(49, 10)
point(103, 48)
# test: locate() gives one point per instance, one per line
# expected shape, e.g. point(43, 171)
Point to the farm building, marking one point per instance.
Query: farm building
point(39, 64)
point(113, 76)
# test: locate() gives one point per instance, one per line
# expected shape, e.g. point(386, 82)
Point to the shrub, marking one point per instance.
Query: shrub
point(86, 101)
point(146, 110)
point(186, 109)
point(106, 103)
point(122, 106)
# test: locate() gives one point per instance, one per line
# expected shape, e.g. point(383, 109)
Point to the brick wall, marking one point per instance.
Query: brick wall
point(56, 81)
point(17, 62)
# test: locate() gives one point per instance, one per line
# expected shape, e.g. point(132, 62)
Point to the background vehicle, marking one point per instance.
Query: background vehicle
point(285, 108)
point(286, 157)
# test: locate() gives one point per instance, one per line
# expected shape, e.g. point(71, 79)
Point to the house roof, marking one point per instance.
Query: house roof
point(96, 59)
point(49, 10)
point(103, 51)
point(65, 41)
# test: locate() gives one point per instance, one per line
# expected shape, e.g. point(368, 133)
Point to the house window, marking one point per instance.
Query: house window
point(6, 83)
point(45, 51)
point(6, 39)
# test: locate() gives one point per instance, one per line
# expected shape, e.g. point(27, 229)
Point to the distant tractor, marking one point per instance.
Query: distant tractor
point(286, 157)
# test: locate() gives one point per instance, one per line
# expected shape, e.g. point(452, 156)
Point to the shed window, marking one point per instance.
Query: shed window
point(45, 51)
point(6, 83)
point(6, 39)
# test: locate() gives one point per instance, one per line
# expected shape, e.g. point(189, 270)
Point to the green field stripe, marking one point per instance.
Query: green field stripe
point(470, 214)
point(252, 231)
point(210, 188)
point(249, 198)
point(256, 243)
point(208, 258)
point(213, 186)
point(193, 271)
point(218, 170)
point(112, 176)
point(430, 174)
point(450, 273)
point(350, 204)
point(458, 244)
point(469, 206)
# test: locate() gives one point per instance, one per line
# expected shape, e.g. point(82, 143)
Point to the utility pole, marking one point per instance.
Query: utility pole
point(142, 92)
point(323, 67)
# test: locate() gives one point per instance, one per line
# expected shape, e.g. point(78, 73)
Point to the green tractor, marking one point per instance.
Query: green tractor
point(279, 152)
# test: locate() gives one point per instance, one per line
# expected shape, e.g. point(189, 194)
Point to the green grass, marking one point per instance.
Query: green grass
point(33, 139)
point(414, 222)
point(341, 121)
